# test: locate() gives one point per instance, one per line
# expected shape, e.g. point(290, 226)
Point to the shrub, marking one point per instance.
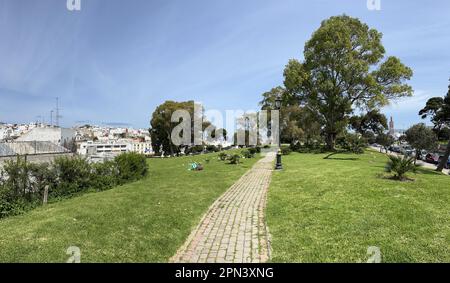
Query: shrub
point(212, 148)
point(285, 150)
point(15, 178)
point(104, 175)
point(246, 153)
point(295, 146)
point(131, 166)
point(352, 143)
point(234, 158)
point(10, 205)
point(253, 150)
point(266, 146)
point(258, 149)
point(71, 175)
point(400, 166)
point(41, 176)
point(22, 184)
point(223, 156)
point(194, 149)
point(19, 187)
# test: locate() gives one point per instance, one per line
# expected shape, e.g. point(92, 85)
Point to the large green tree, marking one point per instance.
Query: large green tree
point(421, 138)
point(344, 68)
point(162, 125)
point(297, 123)
point(438, 110)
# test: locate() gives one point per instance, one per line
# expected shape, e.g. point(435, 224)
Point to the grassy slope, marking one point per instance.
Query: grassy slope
point(145, 221)
point(333, 210)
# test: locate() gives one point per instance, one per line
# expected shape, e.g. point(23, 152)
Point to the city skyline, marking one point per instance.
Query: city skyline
point(114, 62)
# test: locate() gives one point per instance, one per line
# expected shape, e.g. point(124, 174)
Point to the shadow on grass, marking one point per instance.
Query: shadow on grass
point(342, 158)
point(429, 171)
point(331, 154)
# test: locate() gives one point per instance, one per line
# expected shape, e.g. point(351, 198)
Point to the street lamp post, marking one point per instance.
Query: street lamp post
point(278, 165)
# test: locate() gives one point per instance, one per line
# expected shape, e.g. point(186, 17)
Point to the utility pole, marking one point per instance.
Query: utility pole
point(57, 112)
point(51, 118)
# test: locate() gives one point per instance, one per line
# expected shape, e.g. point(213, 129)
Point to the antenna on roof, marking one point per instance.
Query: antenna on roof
point(57, 112)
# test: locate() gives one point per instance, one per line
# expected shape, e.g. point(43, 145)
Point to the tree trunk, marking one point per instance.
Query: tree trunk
point(444, 160)
point(416, 157)
point(331, 141)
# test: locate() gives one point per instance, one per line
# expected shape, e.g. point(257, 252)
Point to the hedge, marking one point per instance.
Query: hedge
point(22, 184)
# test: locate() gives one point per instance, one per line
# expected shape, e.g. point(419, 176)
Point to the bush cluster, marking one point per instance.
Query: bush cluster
point(246, 153)
point(196, 149)
point(235, 158)
point(22, 184)
point(213, 148)
point(352, 143)
point(285, 150)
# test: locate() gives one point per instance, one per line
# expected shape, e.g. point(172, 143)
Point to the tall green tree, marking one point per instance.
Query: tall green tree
point(421, 138)
point(385, 141)
point(297, 123)
point(343, 69)
point(161, 125)
point(373, 121)
point(438, 110)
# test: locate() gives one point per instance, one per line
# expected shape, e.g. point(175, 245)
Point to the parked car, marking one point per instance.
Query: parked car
point(423, 155)
point(447, 166)
point(394, 148)
point(432, 158)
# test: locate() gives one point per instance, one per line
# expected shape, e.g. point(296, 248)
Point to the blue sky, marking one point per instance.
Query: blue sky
point(115, 61)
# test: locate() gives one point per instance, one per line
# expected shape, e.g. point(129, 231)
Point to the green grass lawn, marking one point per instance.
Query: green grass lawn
point(145, 221)
point(333, 210)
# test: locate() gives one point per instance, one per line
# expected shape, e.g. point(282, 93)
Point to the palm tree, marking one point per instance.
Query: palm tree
point(400, 166)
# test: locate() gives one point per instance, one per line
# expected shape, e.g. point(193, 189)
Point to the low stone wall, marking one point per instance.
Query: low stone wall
point(36, 158)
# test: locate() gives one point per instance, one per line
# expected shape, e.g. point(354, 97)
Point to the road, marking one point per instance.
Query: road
point(419, 162)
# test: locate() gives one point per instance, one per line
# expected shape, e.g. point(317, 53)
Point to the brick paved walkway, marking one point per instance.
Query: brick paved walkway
point(234, 228)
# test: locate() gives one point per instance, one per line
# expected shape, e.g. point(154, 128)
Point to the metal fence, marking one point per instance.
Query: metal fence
point(31, 147)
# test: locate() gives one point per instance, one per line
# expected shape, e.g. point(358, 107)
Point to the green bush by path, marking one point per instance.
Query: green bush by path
point(234, 158)
point(143, 221)
point(22, 184)
point(285, 150)
point(131, 166)
point(246, 153)
point(332, 210)
point(222, 156)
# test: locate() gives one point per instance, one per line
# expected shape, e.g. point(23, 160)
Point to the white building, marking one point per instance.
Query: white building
point(5, 133)
point(92, 148)
point(143, 148)
point(58, 136)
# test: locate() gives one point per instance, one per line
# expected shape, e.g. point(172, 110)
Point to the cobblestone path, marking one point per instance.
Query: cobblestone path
point(234, 229)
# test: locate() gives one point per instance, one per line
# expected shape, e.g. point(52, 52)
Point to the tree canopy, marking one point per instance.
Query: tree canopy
point(438, 110)
point(373, 121)
point(343, 69)
point(421, 138)
point(162, 125)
